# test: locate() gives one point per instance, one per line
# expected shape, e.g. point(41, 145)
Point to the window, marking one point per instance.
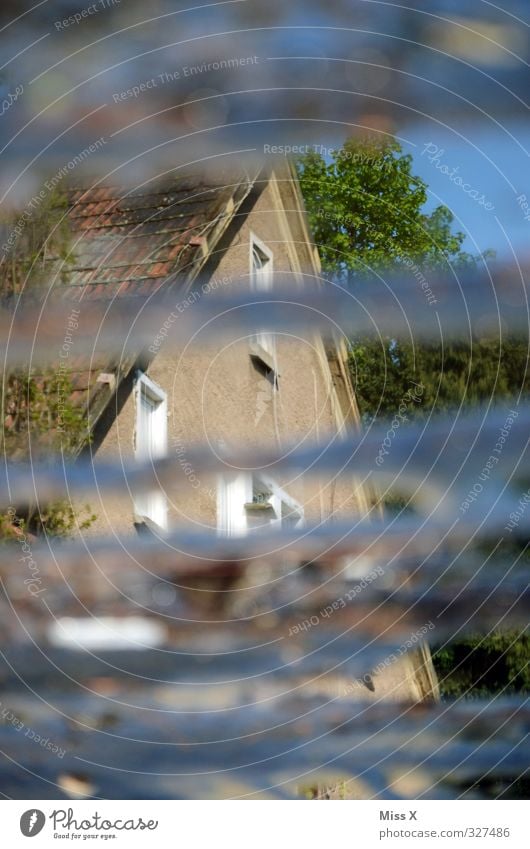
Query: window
point(233, 492)
point(261, 275)
point(281, 508)
point(151, 443)
point(249, 502)
point(261, 266)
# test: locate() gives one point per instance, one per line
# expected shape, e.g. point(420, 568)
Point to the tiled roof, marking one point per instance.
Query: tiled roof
point(130, 242)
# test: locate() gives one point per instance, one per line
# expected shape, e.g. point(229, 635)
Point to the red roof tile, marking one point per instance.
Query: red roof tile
point(127, 236)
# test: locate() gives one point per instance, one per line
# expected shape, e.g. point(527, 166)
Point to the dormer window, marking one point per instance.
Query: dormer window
point(261, 266)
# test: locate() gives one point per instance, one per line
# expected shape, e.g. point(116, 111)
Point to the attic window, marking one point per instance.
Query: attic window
point(263, 346)
point(151, 443)
point(261, 266)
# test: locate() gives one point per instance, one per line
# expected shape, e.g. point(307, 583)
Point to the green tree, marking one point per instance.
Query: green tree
point(459, 374)
point(366, 209)
point(497, 663)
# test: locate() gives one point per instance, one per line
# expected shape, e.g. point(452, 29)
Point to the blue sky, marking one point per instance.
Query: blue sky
point(495, 162)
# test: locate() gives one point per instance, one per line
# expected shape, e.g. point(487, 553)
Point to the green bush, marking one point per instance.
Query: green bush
point(483, 665)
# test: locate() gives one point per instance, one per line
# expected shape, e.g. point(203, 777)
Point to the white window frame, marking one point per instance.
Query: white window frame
point(151, 504)
point(263, 346)
point(236, 490)
point(233, 492)
point(278, 498)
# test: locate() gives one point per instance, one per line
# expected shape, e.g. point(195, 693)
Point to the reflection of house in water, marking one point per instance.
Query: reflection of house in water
point(238, 625)
point(143, 640)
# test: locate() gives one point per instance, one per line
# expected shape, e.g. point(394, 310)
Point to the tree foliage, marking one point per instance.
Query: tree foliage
point(453, 376)
point(366, 209)
point(479, 665)
point(40, 422)
point(39, 419)
point(38, 243)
